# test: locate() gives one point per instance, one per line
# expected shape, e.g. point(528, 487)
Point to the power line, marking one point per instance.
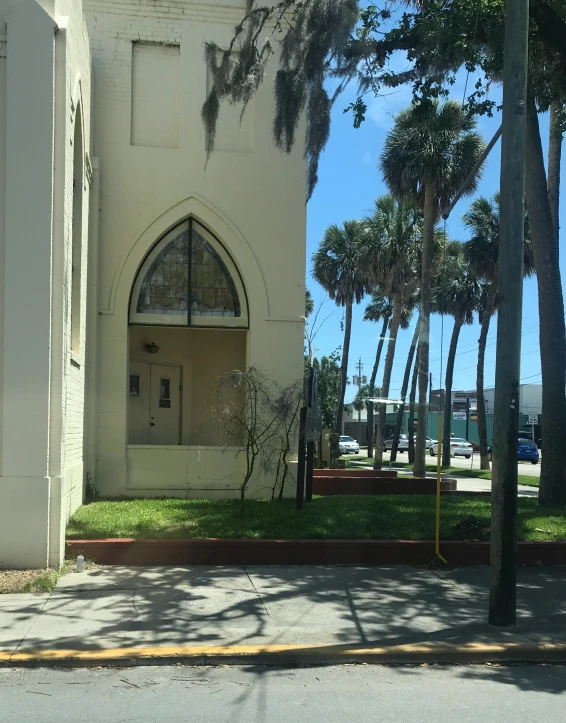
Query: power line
point(463, 369)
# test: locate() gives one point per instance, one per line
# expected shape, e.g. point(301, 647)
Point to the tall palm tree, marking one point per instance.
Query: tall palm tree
point(380, 308)
point(336, 267)
point(428, 155)
point(482, 252)
point(390, 249)
point(404, 387)
point(411, 420)
point(456, 292)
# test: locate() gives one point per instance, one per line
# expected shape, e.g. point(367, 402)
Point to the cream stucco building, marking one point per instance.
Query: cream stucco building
point(116, 238)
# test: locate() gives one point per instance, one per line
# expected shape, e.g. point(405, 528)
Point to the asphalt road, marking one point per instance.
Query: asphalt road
point(460, 694)
point(533, 470)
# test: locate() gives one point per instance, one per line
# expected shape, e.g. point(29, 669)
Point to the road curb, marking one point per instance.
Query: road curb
point(507, 652)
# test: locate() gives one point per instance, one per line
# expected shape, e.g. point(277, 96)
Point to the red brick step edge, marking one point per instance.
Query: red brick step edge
point(302, 552)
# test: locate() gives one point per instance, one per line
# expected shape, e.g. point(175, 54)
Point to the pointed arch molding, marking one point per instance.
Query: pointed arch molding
point(227, 233)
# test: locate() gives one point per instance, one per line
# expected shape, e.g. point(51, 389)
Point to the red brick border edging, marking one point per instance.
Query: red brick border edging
point(302, 552)
point(352, 485)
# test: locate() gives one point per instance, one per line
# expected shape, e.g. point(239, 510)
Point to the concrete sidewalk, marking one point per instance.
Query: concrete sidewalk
point(115, 608)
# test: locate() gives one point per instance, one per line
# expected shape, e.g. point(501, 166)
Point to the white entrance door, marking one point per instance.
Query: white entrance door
point(164, 408)
point(155, 404)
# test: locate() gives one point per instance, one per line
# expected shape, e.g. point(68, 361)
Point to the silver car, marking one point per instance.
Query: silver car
point(348, 445)
point(403, 445)
point(458, 448)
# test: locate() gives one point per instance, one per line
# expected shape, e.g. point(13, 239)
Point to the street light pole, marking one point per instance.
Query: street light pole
point(503, 592)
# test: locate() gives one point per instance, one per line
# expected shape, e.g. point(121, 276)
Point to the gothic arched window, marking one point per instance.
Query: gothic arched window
point(188, 279)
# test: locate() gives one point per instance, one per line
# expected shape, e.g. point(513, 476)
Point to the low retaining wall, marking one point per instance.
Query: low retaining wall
point(302, 552)
point(372, 473)
point(326, 486)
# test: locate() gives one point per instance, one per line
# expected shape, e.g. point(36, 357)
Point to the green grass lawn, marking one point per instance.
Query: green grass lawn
point(385, 517)
point(461, 471)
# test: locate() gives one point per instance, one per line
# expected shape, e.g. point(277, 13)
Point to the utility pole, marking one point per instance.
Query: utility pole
point(503, 591)
point(359, 380)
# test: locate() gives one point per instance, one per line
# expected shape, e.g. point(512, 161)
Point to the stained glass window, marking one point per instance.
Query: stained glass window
point(164, 289)
point(188, 278)
point(213, 292)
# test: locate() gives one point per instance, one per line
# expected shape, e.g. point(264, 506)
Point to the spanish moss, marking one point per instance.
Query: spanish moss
point(311, 41)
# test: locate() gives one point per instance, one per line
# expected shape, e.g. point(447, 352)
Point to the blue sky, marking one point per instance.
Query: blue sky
point(349, 182)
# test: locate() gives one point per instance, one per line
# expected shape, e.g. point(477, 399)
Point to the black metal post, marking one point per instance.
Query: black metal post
point(301, 461)
point(467, 418)
point(310, 466)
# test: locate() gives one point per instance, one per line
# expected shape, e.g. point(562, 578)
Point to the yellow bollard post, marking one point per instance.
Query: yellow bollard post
point(438, 466)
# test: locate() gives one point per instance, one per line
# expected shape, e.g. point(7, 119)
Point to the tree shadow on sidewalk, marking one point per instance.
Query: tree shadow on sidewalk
point(116, 607)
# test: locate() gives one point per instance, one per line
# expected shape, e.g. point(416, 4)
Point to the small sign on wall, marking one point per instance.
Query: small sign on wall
point(459, 410)
point(165, 403)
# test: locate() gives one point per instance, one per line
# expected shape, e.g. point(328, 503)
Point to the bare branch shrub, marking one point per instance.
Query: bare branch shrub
point(260, 419)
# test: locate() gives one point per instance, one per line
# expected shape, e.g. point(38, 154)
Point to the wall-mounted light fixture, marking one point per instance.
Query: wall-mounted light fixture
point(152, 348)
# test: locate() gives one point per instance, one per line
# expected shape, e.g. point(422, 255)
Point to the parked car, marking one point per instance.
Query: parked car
point(527, 451)
point(458, 448)
point(348, 445)
point(403, 445)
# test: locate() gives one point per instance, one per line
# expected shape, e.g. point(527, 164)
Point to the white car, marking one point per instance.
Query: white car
point(458, 448)
point(348, 445)
point(403, 445)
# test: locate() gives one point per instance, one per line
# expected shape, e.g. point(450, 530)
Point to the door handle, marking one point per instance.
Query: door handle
point(152, 424)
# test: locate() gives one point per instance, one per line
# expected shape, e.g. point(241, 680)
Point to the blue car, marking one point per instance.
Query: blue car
point(527, 451)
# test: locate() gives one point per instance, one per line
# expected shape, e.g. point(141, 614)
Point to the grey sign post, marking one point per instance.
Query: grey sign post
point(310, 430)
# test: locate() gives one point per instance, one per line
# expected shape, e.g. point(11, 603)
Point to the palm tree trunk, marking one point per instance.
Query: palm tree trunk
point(551, 313)
point(424, 339)
point(458, 321)
point(482, 423)
point(411, 420)
point(372, 385)
point(554, 158)
point(382, 411)
point(401, 410)
point(344, 366)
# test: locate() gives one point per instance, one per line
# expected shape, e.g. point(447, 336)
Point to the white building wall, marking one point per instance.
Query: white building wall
point(77, 93)
point(530, 399)
point(3, 98)
point(250, 195)
point(68, 366)
point(42, 408)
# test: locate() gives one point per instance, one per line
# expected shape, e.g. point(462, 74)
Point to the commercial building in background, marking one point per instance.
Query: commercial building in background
point(135, 272)
point(464, 414)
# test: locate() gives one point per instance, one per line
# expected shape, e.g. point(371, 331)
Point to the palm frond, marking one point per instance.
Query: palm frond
point(336, 264)
point(434, 142)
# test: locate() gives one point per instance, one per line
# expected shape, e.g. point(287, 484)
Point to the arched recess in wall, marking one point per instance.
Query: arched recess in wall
point(77, 232)
point(188, 278)
point(117, 303)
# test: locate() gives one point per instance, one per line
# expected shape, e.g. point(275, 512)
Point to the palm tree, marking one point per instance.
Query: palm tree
point(482, 252)
point(380, 308)
point(404, 387)
point(411, 420)
point(336, 268)
point(456, 292)
point(428, 155)
point(309, 304)
point(390, 248)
